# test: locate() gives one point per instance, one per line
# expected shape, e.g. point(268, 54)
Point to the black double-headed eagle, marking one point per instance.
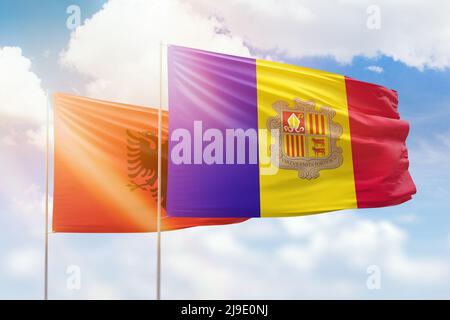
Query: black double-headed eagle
point(142, 152)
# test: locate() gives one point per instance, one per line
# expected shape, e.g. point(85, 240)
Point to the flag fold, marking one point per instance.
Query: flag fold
point(105, 168)
point(254, 138)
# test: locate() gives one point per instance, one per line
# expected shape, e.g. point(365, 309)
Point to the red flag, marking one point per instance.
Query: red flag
point(105, 168)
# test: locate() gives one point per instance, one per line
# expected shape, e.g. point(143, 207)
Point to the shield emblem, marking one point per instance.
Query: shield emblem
point(307, 138)
point(305, 134)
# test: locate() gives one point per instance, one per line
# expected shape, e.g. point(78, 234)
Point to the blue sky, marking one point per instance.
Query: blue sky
point(105, 60)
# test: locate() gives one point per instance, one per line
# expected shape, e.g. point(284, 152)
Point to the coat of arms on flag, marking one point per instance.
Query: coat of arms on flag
point(142, 152)
point(307, 138)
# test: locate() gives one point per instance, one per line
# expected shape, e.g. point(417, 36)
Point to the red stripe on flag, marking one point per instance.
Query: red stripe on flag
point(302, 146)
point(292, 146)
point(288, 144)
point(310, 123)
point(380, 158)
point(294, 151)
point(322, 123)
point(316, 116)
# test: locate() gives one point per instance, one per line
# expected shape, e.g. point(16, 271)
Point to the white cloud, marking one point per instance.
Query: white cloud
point(8, 140)
point(23, 105)
point(376, 69)
point(359, 242)
point(339, 28)
point(431, 271)
point(37, 137)
point(18, 134)
point(324, 256)
point(31, 201)
point(27, 209)
point(21, 94)
point(119, 47)
point(23, 263)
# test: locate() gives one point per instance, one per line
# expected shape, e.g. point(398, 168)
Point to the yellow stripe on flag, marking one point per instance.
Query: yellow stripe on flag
point(284, 193)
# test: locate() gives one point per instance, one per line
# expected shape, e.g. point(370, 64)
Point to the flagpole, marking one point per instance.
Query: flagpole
point(46, 198)
point(158, 221)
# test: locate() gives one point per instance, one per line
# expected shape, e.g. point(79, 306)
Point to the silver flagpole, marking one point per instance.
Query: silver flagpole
point(46, 198)
point(158, 222)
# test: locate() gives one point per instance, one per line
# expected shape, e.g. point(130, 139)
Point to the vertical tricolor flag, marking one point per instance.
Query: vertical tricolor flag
point(105, 168)
point(254, 138)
